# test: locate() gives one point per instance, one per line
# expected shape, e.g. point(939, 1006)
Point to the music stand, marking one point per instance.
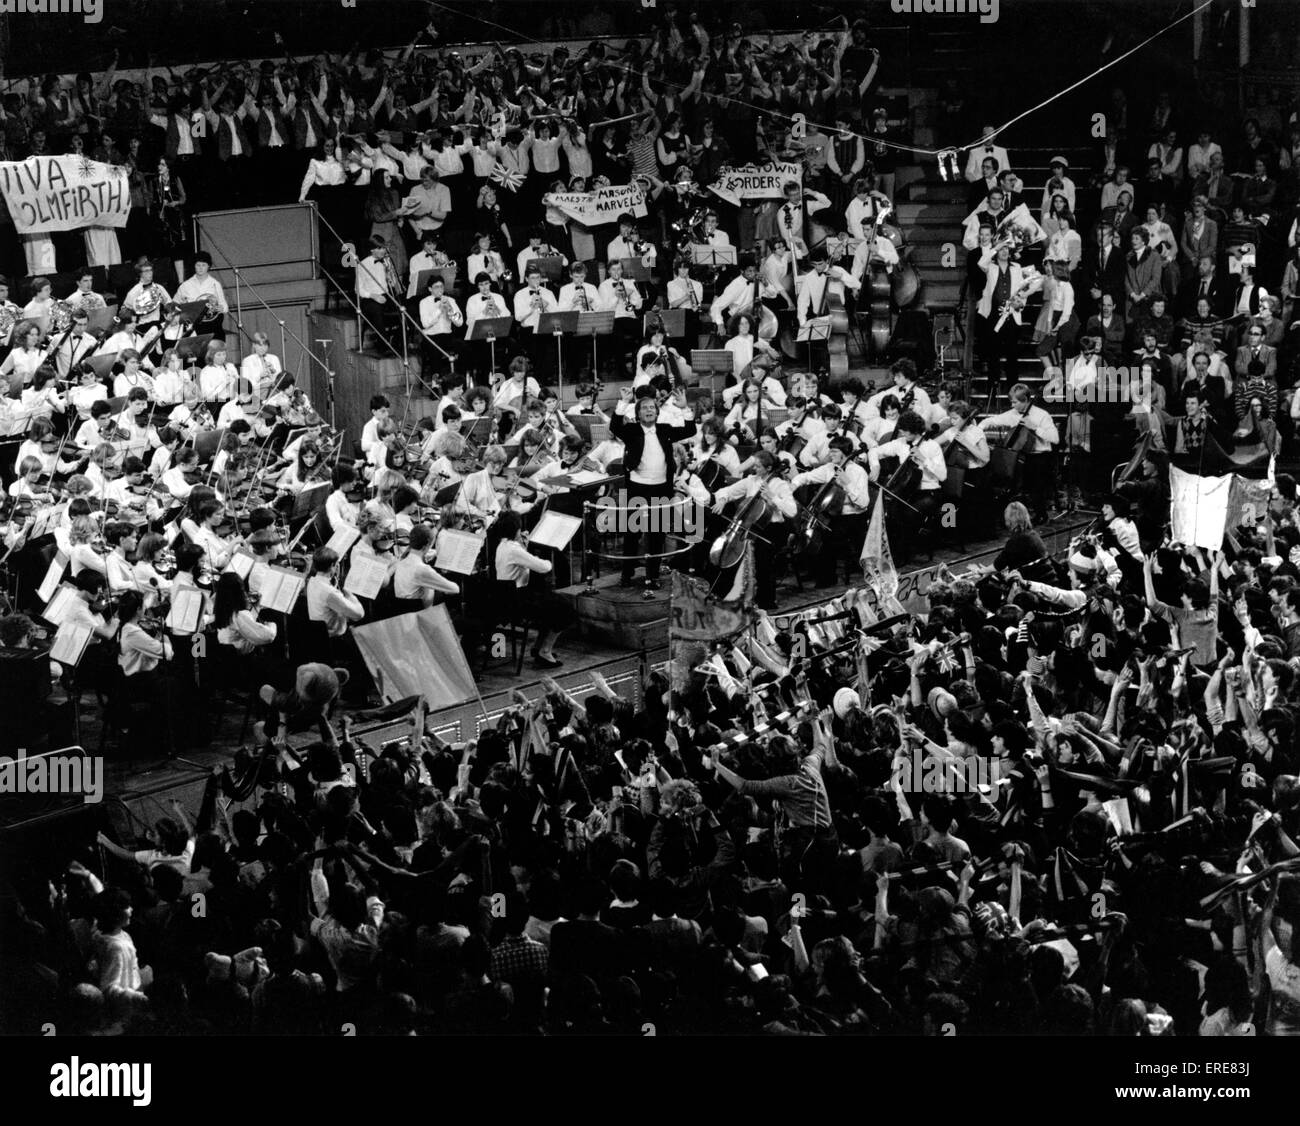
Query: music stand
point(674, 322)
point(814, 331)
point(103, 365)
point(193, 347)
point(713, 361)
point(447, 273)
point(557, 324)
point(634, 269)
point(489, 329)
point(702, 255)
point(100, 319)
point(193, 311)
point(594, 325)
point(309, 500)
point(551, 265)
point(206, 444)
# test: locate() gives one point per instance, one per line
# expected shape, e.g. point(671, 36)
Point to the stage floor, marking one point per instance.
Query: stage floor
point(147, 786)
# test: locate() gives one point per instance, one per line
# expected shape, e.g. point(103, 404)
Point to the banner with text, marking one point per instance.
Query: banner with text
point(64, 193)
point(755, 181)
point(604, 205)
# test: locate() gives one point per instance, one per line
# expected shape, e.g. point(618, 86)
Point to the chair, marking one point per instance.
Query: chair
point(509, 616)
point(229, 676)
point(120, 712)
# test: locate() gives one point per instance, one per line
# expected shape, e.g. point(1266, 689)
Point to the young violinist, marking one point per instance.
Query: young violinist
point(183, 475)
point(201, 530)
point(169, 441)
point(240, 627)
point(138, 434)
point(42, 398)
point(43, 444)
point(745, 348)
point(763, 479)
point(147, 571)
point(85, 547)
point(341, 507)
point(326, 603)
point(657, 357)
point(847, 526)
point(414, 578)
point(120, 537)
point(514, 563)
point(243, 407)
point(28, 483)
point(130, 491)
point(90, 390)
point(305, 469)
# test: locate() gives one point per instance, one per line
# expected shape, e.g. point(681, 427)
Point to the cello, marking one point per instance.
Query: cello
point(729, 548)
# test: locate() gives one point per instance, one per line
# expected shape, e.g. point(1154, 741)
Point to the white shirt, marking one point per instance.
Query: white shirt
point(476, 308)
point(414, 578)
point(934, 470)
point(920, 400)
point(1036, 419)
point(571, 297)
point(653, 469)
point(813, 289)
point(326, 603)
point(526, 313)
point(438, 316)
point(195, 288)
point(610, 298)
point(857, 484)
point(738, 297)
point(217, 383)
point(778, 489)
point(516, 563)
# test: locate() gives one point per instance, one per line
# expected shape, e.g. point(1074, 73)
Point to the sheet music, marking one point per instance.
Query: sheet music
point(186, 613)
point(555, 529)
point(53, 576)
point(366, 577)
point(280, 589)
point(241, 563)
point(341, 541)
point(57, 608)
point(584, 477)
point(70, 644)
point(458, 551)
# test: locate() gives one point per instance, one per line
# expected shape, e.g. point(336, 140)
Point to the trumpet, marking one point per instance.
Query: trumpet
point(622, 294)
point(536, 301)
point(492, 309)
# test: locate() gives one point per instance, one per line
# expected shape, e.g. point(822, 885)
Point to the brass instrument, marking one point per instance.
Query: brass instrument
point(8, 318)
point(491, 309)
point(621, 289)
point(148, 300)
point(582, 298)
point(210, 306)
point(60, 316)
point(92, 300)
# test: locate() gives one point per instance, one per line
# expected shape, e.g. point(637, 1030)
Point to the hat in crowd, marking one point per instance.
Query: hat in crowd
point(1059, 160)
point(845, 701)
point(942, 702)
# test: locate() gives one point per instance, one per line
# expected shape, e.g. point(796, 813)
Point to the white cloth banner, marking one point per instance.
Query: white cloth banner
point(1198, 508)
point(604, 205)
point(64, 193)
point(752, 181)
point(417, 655)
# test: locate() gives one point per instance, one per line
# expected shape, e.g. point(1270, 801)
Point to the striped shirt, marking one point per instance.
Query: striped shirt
point(802, 796)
